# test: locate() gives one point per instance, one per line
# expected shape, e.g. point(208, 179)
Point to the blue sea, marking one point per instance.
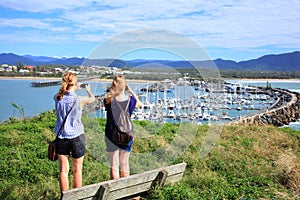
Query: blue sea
point(34, 100)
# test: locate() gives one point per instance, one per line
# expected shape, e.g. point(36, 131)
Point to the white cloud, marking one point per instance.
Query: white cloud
point(41, 5)
point(23, 22)
point(224, 24)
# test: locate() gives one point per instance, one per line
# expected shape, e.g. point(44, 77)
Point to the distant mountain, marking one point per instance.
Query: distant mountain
point(13, 59)
point(280, 62)
point(40, 58)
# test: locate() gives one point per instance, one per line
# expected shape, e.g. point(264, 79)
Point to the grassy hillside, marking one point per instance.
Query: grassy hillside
point(249, 162)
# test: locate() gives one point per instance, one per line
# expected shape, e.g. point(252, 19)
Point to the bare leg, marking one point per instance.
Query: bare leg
point(124, 163)
point(114, 164)
point(63, 172)
point(77, 172)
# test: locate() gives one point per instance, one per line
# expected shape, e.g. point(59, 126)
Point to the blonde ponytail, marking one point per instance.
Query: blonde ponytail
point(117, 86)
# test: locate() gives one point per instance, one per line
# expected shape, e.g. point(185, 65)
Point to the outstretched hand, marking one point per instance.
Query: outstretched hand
point(87, 87)
point(129, 90)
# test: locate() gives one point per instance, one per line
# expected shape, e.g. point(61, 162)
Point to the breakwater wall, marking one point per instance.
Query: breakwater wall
point(95, 105)
point(285, 110)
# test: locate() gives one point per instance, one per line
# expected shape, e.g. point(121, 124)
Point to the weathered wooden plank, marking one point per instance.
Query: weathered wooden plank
point(139, 188)
point(82, 192)
point(134, 184)
point(124, 192)
point(135, 179)
point(175, 169)
point(91, 190)
point(173, 179)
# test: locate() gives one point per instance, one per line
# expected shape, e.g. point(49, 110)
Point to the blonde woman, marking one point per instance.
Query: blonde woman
point(69, 129)
point(118, 154)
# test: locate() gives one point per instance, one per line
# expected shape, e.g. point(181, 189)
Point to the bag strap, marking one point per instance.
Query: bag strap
point(121, 106)
point(66, 118)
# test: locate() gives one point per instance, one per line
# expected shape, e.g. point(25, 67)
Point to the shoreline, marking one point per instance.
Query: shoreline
point(267, 79)
point(33, 78)
point(27, 78)
point(137, 80)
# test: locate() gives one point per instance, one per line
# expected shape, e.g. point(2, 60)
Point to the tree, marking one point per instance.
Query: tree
point(20, 65)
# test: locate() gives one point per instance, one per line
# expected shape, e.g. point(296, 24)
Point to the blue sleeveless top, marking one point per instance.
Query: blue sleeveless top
point(73, 126)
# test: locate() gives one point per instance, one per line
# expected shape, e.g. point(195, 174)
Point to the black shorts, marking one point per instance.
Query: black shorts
point(76, 146)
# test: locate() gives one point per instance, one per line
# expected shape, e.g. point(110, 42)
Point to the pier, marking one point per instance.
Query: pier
point(53, 83)
point(44, 83)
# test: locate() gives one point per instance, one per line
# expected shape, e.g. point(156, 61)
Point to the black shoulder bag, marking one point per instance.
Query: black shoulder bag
point(52, 145)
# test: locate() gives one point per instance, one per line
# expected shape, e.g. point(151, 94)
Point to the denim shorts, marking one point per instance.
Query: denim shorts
point(111, 147)
point(75, 146)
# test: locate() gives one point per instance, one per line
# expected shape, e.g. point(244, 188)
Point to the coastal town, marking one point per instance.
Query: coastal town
point(55, 70)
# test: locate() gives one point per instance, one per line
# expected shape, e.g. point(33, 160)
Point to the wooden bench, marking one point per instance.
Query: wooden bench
point(128, 186)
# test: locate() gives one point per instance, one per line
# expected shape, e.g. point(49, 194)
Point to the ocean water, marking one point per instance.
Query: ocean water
point(36, 100)
point(33, 100)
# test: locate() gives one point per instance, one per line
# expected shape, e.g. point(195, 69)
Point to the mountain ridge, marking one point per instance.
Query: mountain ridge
point(273, 62)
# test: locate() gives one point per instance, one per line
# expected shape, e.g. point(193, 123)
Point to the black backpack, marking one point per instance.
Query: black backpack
point(122, 132)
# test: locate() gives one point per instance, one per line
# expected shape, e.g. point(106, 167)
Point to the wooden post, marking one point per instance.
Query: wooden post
point(160, 179)
point(103, 191)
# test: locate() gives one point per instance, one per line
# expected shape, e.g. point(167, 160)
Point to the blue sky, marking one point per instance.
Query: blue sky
point(229, 29)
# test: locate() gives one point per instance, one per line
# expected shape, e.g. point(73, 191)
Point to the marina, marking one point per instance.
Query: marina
point(190, 103)
point(171, 102)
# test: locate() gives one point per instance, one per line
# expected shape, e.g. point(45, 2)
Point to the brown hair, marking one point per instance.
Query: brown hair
point(117, 86)
point(69, 79)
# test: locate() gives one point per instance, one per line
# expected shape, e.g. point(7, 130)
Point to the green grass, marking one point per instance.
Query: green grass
point(245, 162)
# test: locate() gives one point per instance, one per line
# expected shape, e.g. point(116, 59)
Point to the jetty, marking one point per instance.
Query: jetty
point(53, 83)
point(44, 83)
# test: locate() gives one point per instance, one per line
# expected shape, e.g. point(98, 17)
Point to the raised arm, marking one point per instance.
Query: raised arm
point(87, 99)
point(138, 102)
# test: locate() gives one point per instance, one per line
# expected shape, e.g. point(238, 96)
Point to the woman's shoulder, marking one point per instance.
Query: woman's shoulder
point(55, 97)
point(131, 98)
point(106, 102)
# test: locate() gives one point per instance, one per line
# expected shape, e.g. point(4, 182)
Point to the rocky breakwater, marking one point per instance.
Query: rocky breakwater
point(286, 109)
point(88, 108)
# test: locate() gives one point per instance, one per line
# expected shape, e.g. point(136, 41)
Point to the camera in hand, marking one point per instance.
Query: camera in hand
point(83, 85)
